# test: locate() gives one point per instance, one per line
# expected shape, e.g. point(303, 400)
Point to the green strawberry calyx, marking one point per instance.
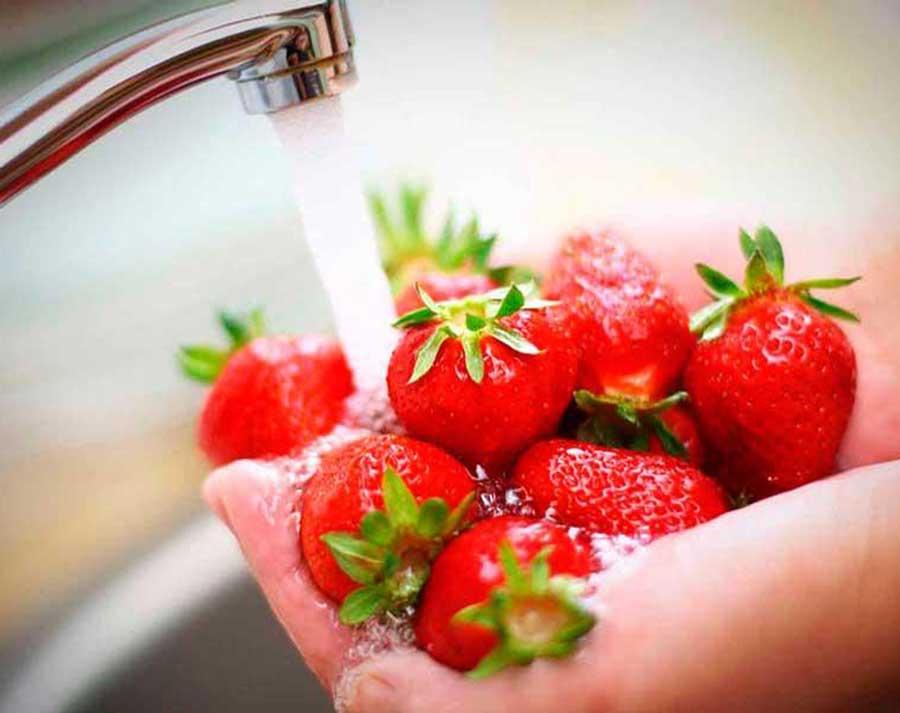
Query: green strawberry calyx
point(407, 248)
point(391, 554)
point(202, 362)
point(469, 320)
point(628, 422)
point(533, 614)
point(764, 273)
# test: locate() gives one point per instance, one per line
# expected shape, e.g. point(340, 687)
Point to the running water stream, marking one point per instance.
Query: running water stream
point(340, 235)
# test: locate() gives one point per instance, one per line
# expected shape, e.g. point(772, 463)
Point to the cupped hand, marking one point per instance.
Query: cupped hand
point(790, 604)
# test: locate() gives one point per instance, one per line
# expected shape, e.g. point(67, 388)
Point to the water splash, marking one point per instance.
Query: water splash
point(340, 235)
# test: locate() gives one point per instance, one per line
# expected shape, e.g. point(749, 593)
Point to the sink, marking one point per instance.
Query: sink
point(231, 655)
point(183, 629)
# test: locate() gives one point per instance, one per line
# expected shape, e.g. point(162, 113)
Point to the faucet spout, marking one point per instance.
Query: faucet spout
point(280, 53)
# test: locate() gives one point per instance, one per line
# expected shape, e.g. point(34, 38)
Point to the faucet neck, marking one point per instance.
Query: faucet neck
point(279, 53)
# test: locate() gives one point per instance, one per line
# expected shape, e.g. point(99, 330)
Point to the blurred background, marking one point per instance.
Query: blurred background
point(538, 115)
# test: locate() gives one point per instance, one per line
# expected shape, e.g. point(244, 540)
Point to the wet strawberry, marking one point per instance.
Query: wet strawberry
point(614, 491)
point(270, 396)
point(483, 376)
point(633, 332)
point(773, 379)
point(374, 515)
point(663, 426)
point(504, 593)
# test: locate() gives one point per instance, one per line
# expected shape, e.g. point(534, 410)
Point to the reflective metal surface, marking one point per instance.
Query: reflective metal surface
point(280, 53)
point(161, 636)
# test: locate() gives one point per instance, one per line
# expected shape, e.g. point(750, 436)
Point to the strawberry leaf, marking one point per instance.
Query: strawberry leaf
point(362, 604)
point(715, 328)
point(748, 244)
point(721, 285)
point(474, 322)
point(202, 363)
point(511, 609)
point(427, 299)
point(399, 502)
point(416, 316)
point(828, 309)
point(826, 283)
point(455, 518)
point(757, 277)
point(376, 527)
point(508, 274)
point(428, 353)
point(512, 339)
point(667, 403)
point(243, 328)
point(359, 560)
point(474, 359)
point(512, 302)
point(670, 442)
point(432, 519)
point(540, 571)
point(770, 247)
point(641, 442)
point(481, 614)
point(509, 561)
point(705, 316)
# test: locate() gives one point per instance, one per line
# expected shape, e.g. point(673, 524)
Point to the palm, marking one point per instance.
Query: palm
point(781, 606)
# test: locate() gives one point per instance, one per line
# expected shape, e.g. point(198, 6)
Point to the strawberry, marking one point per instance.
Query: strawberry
point(452, 264)
point(772, 379)
point(662, 426)
point(614, 491)
point(408, 251)
point(271, 395)
point(374, 514)
point(483, 376)
point(633, 332)
point(442, 286)
point(504, 592)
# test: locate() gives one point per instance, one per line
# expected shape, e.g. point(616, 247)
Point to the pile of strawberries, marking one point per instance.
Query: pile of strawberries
point(594, 399)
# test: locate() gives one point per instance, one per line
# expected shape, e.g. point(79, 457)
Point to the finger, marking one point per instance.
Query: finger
point(257, 502)
point(788, 605)
point(410, 682)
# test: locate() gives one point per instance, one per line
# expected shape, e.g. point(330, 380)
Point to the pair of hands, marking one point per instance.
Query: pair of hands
point(792, 604)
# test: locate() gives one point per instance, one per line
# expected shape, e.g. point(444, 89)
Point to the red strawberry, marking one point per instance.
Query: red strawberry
point(504, 593)
point(270, 395)
point(371, 559)
point(633, 332)
point(641, 425)
point(616, 492)
point(482, 377)
point(772, 380)
point(408, 251)
point(442, 286)
point(451, 264)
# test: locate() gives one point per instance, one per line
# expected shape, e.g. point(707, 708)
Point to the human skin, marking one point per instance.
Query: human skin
point(790, 604)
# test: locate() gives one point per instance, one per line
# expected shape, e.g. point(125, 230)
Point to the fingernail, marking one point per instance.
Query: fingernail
point(370, 691)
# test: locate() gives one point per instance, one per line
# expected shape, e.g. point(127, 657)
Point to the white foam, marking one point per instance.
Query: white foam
point(340, 235)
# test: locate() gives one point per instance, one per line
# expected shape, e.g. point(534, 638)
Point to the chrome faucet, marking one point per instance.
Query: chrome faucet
point(280, 53)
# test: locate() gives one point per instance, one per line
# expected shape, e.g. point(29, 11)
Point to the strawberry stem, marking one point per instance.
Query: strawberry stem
point(469, 320)
point(627, 422)
point(534, 614)
point(406, 244)
point(392, 553)
point(764, 272)
point(204, 363)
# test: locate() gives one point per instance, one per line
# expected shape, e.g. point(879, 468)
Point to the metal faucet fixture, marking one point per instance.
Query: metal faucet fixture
point(280, 53)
